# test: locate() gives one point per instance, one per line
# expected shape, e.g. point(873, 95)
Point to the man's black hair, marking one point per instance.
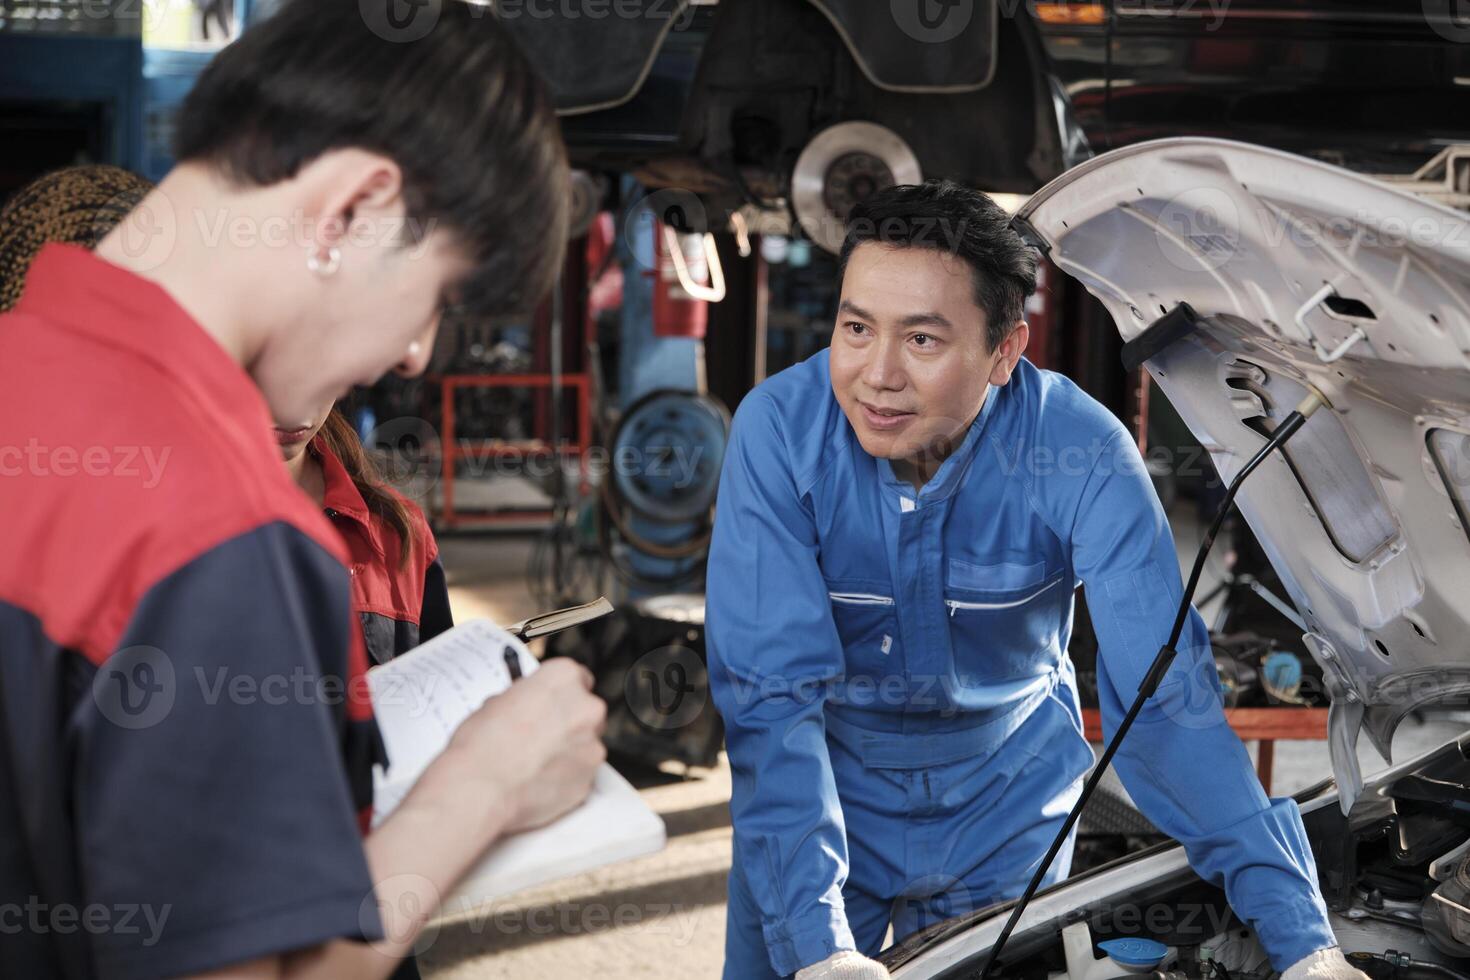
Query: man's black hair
point(448, 96)
point(948, 217)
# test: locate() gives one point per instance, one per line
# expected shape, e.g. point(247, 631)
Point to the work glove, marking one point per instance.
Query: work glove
point(846, 965)
point(1325, 964)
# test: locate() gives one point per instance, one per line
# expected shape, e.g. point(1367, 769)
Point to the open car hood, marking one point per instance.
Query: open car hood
point(1239, 275)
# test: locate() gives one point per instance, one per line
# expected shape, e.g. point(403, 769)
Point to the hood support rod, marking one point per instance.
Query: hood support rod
point(1324, 355)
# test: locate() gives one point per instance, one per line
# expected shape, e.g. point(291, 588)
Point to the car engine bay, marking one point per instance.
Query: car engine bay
point(1395, 875)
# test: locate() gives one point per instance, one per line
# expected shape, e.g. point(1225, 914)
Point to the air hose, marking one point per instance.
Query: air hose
point(1394, 965)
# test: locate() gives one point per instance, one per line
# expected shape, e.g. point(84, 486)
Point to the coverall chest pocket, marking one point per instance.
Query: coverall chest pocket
point(1005, 618)
point(866, 622)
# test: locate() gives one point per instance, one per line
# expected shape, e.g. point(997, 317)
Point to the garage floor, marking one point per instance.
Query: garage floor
point(664, 916)
point(660, 916)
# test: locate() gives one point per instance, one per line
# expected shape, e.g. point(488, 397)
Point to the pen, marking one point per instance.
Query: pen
point(512, 662)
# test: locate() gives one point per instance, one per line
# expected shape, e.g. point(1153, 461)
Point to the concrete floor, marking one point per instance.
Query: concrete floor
point(664, 915)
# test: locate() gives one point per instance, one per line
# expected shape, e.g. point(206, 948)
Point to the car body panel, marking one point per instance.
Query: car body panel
point(599, 56)
point(596, 57)
point(1303, 275)
point(936, 48)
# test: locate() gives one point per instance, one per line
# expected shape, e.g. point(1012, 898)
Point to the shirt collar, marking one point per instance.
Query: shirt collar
point(340, 493)
point(952, 471)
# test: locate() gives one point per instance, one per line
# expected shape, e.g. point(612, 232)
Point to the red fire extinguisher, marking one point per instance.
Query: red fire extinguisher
point(688, 279)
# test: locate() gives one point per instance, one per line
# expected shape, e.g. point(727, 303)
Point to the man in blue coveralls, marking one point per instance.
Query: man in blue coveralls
point(903, 519)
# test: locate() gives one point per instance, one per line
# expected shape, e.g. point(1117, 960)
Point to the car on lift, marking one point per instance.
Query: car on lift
point(806, 105)
point(1304, 276)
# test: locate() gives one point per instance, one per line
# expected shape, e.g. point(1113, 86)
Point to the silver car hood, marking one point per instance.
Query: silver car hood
point(1297, 273)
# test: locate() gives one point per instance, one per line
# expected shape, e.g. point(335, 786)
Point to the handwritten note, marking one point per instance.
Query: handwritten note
point(423, 696)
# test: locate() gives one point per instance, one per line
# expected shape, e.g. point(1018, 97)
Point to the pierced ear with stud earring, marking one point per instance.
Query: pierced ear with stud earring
point(324, 267)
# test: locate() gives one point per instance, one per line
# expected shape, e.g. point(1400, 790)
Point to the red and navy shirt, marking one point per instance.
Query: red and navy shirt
point(399, 605)
point(186, 740)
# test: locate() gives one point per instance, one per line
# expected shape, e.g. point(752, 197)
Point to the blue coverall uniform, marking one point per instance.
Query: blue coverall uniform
point(901, 715)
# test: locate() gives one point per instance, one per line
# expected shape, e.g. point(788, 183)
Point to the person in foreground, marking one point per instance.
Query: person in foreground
point(903, 521)
point(186, 741)
point(399, 590)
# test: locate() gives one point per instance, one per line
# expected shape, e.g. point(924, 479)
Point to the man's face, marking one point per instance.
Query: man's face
point(909, 358)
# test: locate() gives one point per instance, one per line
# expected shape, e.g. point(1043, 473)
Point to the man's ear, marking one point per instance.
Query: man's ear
point(1009, 353)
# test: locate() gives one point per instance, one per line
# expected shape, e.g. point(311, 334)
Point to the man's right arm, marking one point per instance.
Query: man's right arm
point(773, 649)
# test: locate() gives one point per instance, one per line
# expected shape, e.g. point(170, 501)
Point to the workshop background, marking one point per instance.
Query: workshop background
point(575, 453)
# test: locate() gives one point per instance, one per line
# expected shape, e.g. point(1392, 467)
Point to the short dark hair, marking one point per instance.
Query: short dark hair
point(948, 217)
point(455, 104)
